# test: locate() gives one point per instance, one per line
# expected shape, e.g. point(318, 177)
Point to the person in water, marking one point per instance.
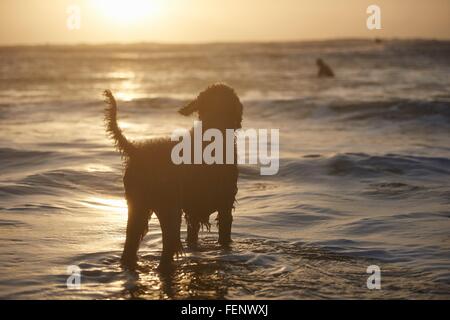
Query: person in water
point(324, 69)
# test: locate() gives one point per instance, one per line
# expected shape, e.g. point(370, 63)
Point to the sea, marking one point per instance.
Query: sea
point(362, 195)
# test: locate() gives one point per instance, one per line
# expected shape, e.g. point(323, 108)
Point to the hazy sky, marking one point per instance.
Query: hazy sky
point(45, 21)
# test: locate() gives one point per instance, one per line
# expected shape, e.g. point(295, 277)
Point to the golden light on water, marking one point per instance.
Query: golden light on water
point(125, 96)
point(121, 75)
point(97, 167)
point(129, 86)
point(114, 205)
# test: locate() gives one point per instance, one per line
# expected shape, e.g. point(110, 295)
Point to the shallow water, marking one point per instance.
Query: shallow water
point(363, 180)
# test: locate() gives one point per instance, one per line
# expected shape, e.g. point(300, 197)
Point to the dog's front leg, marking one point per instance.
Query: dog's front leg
point(225, 221)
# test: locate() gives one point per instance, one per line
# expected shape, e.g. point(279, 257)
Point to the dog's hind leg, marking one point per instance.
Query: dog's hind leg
point(137, 227)
point(225, 220)
point(170, 221)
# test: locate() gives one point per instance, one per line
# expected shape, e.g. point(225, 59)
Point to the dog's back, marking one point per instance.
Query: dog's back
point(201, 189)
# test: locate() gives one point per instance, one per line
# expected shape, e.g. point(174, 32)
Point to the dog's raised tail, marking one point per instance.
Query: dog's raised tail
point(125, 147)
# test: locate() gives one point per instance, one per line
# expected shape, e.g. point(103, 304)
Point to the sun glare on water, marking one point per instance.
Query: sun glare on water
point(127, 11)
point(115, 205)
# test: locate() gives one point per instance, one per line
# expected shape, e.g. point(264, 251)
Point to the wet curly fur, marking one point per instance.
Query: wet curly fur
point(153, 184)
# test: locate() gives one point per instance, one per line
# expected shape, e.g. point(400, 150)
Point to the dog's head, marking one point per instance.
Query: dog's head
point(218, 107)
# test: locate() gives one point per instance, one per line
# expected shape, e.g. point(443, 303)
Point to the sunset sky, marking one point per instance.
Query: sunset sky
point(45, 21)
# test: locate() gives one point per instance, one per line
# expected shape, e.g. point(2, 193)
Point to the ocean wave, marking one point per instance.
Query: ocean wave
point(316, 109)
point(59, 182)
point(11, 155)
point(254, 267)
point(434, 112)
point(359, 165)
point(392, 110)
point(16, 160)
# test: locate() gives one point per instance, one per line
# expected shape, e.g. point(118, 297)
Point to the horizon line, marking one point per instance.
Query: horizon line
point(212, 42)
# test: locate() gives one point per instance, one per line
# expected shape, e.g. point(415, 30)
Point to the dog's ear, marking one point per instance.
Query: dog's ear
point(189, 109)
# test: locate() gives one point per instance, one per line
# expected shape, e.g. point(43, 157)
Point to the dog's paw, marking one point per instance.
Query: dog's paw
point(165, 267)
point(225, 243)
point(129, 263)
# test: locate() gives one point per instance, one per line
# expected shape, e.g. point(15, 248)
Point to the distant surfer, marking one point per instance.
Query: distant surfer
point(324, 69)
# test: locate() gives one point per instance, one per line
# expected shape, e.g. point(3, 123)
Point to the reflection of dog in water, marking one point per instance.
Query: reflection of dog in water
point(324, 69)
point(153, 184)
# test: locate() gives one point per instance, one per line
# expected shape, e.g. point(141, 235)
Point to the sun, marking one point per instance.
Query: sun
point(127, 11)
